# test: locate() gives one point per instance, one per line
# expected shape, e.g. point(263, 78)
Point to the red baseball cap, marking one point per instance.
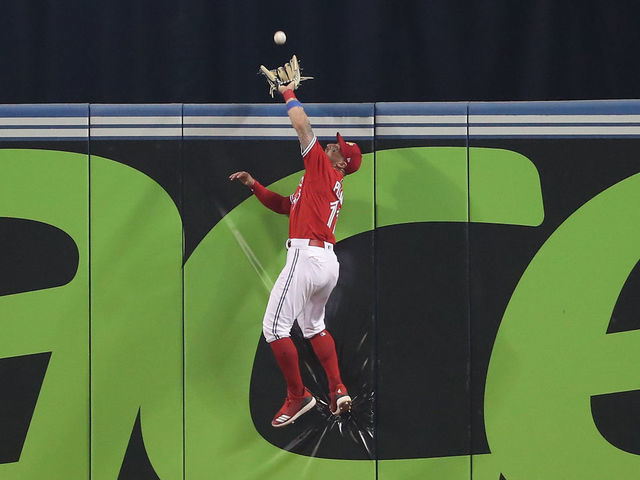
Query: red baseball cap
point(351, 153)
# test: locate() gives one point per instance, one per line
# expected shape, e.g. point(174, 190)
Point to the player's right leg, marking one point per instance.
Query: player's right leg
point(325, 277)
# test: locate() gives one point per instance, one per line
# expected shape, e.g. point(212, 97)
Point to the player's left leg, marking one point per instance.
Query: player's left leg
point(285, 302)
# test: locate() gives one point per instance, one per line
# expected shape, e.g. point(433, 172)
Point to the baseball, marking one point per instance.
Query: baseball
point(279, 37)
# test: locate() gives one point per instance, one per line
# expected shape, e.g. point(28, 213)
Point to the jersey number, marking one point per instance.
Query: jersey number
point(334, 213)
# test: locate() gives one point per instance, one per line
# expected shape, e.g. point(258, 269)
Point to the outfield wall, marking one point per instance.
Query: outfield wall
point(486, 317)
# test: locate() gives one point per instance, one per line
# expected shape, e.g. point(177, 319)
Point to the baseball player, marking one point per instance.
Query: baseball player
point(311, 271)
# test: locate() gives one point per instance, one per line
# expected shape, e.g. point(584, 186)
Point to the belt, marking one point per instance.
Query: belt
point(303, 242)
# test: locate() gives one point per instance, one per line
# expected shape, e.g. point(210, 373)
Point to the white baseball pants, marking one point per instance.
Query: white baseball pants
point(301, 290)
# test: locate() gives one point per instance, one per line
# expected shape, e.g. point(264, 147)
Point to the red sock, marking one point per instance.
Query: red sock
point(287, 358)
point(325, 349)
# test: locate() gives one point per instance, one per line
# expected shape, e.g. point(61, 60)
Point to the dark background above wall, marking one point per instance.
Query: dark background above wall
point(360, 51)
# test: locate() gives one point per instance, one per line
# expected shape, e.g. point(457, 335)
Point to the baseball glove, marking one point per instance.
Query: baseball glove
point(289, 73)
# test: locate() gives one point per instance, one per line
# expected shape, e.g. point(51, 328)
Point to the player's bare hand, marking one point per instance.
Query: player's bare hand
point(243, 177)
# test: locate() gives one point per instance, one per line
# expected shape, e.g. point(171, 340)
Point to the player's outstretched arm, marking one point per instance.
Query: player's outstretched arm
point(269, 199)
point(244, 177)
point(297, 115)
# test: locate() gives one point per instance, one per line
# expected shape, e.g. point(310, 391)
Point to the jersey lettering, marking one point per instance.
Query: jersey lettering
point(337, 189)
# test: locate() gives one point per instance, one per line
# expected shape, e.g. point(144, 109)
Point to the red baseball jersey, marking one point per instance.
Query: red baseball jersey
point(316, 203)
